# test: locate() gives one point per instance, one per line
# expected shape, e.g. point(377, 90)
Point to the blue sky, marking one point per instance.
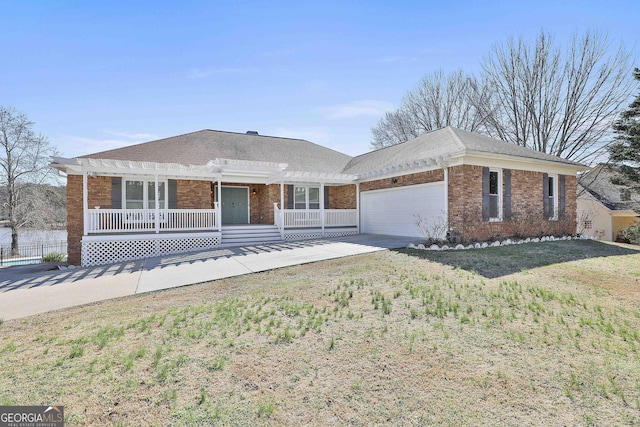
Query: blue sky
point(99, 75)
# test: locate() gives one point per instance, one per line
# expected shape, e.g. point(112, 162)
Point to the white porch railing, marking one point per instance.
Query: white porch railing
point(107, 221)
point(312, 218)
point(340, 217)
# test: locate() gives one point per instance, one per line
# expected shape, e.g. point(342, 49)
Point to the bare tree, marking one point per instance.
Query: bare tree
point(439, 100)
point(24, 160)
point(560, 101)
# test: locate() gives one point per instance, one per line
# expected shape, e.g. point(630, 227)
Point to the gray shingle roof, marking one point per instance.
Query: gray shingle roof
point(198, 148)
point(443, 142)
point(598, 183)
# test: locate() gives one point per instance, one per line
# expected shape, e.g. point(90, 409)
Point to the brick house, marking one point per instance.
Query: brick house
point(211, 188)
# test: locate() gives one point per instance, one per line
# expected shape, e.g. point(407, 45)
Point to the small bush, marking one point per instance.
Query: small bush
point(53, 257)
point(632, 233)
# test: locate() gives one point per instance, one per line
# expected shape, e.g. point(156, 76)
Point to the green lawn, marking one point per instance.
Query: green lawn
point(537, 334)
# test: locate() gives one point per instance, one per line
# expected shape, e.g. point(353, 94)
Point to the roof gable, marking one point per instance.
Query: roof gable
point(445, 143)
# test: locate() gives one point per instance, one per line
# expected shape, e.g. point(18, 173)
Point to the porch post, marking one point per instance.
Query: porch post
point(358, 205)
point(219, 202)
point(157, 203)
point(322, 207)
point(85, 203)
point(281, 204)
point(446, 193)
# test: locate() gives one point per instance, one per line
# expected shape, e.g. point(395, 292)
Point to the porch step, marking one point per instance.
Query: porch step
point(250, 234)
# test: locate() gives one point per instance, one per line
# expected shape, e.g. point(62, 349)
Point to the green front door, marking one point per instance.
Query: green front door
point(235, 205)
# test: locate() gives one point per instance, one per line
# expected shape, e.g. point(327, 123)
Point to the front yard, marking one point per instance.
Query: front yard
point(538, 334)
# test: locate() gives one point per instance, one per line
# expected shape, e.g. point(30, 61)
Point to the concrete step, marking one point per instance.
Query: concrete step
point(250, 234)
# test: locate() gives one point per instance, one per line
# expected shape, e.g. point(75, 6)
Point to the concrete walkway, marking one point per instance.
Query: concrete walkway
point(28, 290)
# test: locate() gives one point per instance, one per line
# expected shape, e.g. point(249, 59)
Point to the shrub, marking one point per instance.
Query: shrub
point(632, 233)
point(53, 257)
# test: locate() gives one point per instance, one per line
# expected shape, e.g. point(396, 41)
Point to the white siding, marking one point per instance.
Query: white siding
point(394, 211)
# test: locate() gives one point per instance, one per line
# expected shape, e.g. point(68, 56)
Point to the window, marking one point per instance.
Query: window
point(588, 224)
point(550, 196)
point(141, 194)
point(552, 204)
point(494, 196)
point(306, 198)
point(300, 198)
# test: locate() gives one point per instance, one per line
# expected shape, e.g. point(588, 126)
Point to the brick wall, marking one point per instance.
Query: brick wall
point(342, 197)
point(465, 206)
point(75, 223)
point(404, 180)
point(192, 194)
point(99, 190)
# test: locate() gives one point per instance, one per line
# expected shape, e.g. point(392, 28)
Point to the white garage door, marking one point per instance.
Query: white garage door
point(394, 211)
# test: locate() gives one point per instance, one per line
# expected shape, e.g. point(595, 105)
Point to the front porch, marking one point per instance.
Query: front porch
point(116, 235)
point(125, 210)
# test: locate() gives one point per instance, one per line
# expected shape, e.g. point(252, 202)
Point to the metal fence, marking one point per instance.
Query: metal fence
point(34, 253)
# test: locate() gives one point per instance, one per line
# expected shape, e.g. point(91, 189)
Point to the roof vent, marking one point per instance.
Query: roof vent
point(252, 132)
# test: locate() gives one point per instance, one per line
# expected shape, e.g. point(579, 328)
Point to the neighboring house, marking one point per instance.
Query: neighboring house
point(605, 208)
point(208, 188)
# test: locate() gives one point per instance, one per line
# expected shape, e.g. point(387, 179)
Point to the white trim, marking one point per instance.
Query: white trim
point(445, 170)
point(321, 201)
point(358, 204)
point(312, 177)
point(109, 167)
point(246, 165)
point(416, 166)
point(517, 163)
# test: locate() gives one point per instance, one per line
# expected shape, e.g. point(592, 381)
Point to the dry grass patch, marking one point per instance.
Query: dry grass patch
point(386, 338)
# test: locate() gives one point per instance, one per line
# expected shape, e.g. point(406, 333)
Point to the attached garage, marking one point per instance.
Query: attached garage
point(394, 211)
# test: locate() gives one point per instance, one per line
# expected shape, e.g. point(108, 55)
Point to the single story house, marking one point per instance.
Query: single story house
point(211, 188)
point(605, 208)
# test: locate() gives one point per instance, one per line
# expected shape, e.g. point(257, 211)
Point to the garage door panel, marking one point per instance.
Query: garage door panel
point(394, 211)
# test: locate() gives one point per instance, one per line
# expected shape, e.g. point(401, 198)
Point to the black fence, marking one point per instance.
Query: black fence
point(35, 253)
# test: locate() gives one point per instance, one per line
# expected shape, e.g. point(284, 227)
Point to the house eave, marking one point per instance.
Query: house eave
point(110, 167)
point(624, 213)
point(478, 158)
point(405, 168)
point(312, 177)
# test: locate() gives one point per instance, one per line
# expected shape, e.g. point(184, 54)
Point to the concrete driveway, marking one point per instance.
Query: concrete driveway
point(29, 290)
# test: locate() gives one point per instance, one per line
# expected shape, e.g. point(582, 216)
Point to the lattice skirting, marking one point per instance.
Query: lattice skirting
point(306, 235)
point(98, 252)
point(340, 233)
point(303, 236)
